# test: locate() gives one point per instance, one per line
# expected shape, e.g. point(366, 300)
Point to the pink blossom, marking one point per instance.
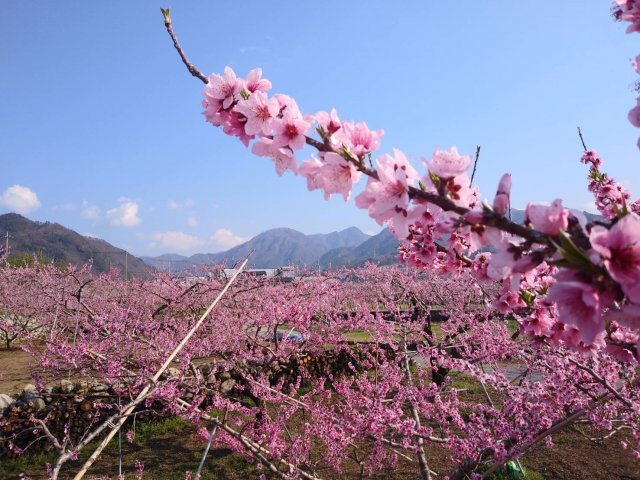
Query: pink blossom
point(255, 82)
point(290, 130)
point(224, 88)
point(539, 324)
point(501, 200)
point(548, 219)
point(634, 114)
point(310, 169)
point(474, 217)
point(282, 157)
point(479, 266)
point(508, 302)
point(400, 221)
point(388, 197)
point(509, 260)
point(448, 163)
point(619, 246)
point(139, 470)
point(213, 110)
point(628, 11)
point(332, 173)
point(458, 190)
point(330, 122)
point(338, 176)
point(260, 112)
point(358, 139)
point(579, 304)
point(635, 63)
point(234, 125)
point(591, 157)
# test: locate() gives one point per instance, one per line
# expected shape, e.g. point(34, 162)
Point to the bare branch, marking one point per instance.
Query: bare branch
point(475, 165)
point(190, 66)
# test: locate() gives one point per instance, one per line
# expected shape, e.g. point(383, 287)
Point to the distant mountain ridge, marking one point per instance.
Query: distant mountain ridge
point(381, 249)
point(271, 249)
point(56, 242)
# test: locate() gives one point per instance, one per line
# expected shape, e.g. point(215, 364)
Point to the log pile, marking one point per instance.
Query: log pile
point(67, 409)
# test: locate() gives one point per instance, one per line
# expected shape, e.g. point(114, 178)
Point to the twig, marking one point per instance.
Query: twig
point(475, 164)
point(190, 66)
point(582, 139)
point(610, 434)
point(602, 381)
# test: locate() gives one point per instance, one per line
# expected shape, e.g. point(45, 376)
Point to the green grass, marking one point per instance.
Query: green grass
point(466, 383)
point(167, 448)
point(157, 428)
point(357, 336)
point(13, 468)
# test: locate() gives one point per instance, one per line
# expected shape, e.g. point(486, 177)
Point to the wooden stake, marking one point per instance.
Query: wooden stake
point(123, 417)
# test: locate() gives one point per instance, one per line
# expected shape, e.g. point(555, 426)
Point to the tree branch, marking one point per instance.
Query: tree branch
point(190, 66)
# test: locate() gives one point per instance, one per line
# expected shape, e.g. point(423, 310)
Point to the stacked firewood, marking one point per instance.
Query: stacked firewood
point(67, 409)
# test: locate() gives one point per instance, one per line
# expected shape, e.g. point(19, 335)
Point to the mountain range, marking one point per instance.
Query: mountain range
point(55, 242)
point(274, 248)
point(284, 246)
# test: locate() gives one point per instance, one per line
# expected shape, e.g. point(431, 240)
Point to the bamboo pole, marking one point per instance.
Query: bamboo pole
point(123, 418)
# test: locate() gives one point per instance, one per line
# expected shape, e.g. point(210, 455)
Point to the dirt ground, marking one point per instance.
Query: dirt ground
point(14, 370)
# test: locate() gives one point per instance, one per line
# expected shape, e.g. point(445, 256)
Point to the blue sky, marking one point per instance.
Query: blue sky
point(100, 120)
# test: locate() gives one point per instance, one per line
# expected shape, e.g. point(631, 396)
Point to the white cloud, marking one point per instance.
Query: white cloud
point(192, 221)
point(90, 212)
point(176, 241)
point(173, 205)
point(19, 199)
point(124, 215)
point(223, 239)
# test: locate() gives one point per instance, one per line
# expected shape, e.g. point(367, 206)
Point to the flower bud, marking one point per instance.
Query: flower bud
point(501, 200)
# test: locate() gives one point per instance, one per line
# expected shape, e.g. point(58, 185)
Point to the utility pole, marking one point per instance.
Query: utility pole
point(126, 265)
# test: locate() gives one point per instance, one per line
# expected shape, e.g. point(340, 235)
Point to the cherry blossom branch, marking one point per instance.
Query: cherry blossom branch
point(601, 381)
point(441, 201)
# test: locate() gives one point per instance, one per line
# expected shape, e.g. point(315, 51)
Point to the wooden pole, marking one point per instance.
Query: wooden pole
point(123, 417)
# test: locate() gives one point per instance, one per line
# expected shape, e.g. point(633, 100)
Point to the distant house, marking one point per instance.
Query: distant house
point(285, 274)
